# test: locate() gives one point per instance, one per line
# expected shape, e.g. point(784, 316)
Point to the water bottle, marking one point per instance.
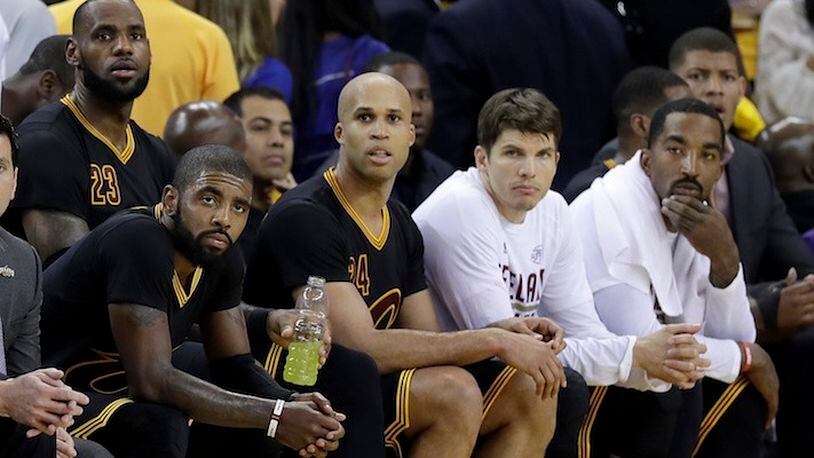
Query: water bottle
point(302, 363)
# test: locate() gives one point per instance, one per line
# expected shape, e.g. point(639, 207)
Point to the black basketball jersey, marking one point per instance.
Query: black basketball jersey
point(127, 260)
point(314, 230)
point(67, 165)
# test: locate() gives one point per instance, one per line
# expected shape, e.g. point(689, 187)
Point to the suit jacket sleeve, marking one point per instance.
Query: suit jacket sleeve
point(23, 355)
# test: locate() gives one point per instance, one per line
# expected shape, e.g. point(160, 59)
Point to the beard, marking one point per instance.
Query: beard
point(191, 247)
point(108, 90)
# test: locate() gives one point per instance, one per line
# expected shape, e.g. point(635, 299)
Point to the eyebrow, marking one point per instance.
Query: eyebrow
point(715, 146)
point(675, 138)
point(269, 120)
point(389, 110)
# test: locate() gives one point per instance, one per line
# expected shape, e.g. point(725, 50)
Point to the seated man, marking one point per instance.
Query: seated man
point(499, 243)
point(768, 242)
point(33, 400)
point(140, 281)
point(635, 100)
point(791, 153)
point(44, 79)
point(269, 152)
point(424, 170)
point(442, 391)
point(656, 252)
point(82, 159)
point(348, 377)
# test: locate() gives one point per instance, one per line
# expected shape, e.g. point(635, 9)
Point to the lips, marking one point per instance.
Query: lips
point(686, 189)
point(124, 68)
point(274, 160)
point(379, 155)
point(525, 188)
point(218, 240)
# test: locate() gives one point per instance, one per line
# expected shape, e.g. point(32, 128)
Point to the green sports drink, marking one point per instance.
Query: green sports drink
point(302, 363)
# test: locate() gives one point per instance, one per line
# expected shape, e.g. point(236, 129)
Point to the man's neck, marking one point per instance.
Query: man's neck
point(109, 118)
point(627, 148)
point(368, 198)
point(182, 265)
point(260, 199)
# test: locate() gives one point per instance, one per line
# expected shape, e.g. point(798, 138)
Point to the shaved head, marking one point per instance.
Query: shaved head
point(85, 16)
point(362, 85)
point(202, 123)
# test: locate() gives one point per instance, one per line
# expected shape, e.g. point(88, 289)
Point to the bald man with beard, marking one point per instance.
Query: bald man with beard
point(442, 392)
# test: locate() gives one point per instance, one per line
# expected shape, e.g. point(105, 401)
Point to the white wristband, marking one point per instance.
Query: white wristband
point(275, 418)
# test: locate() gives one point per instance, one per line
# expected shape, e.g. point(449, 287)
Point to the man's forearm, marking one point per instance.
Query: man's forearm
point(212, 405)
point(396, 349)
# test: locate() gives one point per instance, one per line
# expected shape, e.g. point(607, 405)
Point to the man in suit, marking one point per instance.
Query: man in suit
point(38, 405)
point(770, 246)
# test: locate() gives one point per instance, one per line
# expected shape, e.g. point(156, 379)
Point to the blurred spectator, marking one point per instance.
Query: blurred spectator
point(192, 59)
point(652, 27)
point(45, 78)
point(269, 153)
point(82, 159)
point(424, 170)
point(745, 21)
point(639, 95)
point(785, 79)
point(27, 22)
point(791, 153)
point(325, 43)
point(202, 123)
point(571, 50)
point(251, 31)
point(406, 23)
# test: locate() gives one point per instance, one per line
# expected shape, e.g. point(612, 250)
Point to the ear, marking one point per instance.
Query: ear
point(49, 87)
point(639, 124)
point(412, 134)
point(742, 84)
point(14, 183)
point(72, 54)
point(481, 157)
point(644, 161)
point(338, 132)
point(557, 158)
point(169, 199)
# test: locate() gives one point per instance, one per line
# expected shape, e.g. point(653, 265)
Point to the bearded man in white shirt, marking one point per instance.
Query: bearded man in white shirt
point(498, 243)
point(658, 252)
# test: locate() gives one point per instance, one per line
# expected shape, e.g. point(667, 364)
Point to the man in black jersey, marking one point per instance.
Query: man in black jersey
point(442, 391)
point(348, 377)
point(118, 306)
point(82, 158)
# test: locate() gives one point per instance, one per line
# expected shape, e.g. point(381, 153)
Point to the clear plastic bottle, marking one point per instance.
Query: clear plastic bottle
point(302, 363)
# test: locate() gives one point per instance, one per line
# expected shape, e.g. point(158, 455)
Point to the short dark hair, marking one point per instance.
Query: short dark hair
point(49, 54)
point(80, 12)
point(389, 58)
point(235, 100)
point(209, 158)
point(7, 129)
point(682, 106)
point(642, 91)
point(523, 109)
point(703, 39)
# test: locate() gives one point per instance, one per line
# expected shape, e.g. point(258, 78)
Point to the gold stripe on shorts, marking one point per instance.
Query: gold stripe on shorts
point(584, 439)
point(273, 359)
point(402, 421)
point(89, 427)
point(496, 388)
point(718, 409)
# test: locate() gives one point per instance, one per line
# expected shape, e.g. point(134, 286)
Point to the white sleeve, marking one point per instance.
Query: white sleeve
point(33, 24)
point(600, 356)
point(461, 263)
point(784, 80)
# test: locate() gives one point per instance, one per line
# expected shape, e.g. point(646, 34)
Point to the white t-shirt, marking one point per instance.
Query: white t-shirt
point(482, 268)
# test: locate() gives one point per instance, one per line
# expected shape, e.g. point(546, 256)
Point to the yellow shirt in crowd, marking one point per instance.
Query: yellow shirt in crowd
point(192, 59)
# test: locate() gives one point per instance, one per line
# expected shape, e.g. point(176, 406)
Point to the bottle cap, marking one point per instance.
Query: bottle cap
point(316, 282)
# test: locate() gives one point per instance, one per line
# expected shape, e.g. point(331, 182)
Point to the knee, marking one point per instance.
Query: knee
point(574, 400)
point(162, 430)
point(453, 394)
point(540, 414)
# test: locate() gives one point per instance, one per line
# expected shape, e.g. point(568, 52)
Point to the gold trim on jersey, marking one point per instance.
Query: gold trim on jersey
point(610, 163)
point(273, 359)
point(718, 409)
point(100, 421)
point(402, 420)
point(377, 241)
point(180, 293)
point(584, 439)
point(129, 147)
point(496, 388)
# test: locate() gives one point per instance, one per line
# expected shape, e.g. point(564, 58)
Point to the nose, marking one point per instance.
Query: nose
point(276, 138)
point(417, 109)
point(689, 164)
point(715, 85)
point(123, 45)
point(379, 129)
point(528, 168)
point(222, 218)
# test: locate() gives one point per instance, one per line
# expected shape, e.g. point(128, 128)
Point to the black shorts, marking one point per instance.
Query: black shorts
point(492, 377)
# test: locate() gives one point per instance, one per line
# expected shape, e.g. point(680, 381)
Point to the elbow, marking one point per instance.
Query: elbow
point(147, 386)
